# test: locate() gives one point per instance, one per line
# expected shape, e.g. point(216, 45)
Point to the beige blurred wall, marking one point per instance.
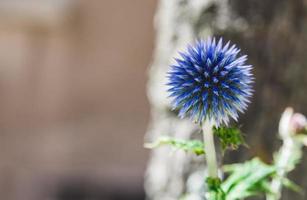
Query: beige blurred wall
point(72, 87)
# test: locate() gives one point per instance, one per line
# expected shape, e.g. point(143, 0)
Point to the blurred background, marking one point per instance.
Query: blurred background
point(73, 107)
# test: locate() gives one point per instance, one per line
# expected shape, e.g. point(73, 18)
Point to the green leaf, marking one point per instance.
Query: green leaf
point(215, 191)
point(194, 146)
point(230, 138)
point(247, 179)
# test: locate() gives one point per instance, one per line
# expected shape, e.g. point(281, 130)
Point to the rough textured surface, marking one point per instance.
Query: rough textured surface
point(273, 34)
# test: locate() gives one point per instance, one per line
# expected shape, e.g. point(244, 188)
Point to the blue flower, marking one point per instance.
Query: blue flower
point(210, 82)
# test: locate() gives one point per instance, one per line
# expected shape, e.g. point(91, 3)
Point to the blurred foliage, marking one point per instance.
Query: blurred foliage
point(215, 190)
point(248, 179)
point(194, 146)
point(252, 178)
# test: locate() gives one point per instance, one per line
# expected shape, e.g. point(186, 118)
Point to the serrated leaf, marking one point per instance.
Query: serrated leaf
point(247, 179)
point(194, 146)
point(229, 137)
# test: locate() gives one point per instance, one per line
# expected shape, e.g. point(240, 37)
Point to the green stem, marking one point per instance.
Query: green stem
point(210, 152)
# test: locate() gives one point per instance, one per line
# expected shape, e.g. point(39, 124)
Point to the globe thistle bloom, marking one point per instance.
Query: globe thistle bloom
point(210, 82)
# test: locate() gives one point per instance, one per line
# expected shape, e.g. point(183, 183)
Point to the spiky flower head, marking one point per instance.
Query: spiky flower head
point(210, 82)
